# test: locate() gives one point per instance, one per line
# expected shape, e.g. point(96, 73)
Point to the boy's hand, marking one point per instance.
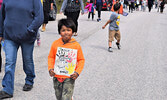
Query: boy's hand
point(103, 27)
point(51, 72)
point(74, 76)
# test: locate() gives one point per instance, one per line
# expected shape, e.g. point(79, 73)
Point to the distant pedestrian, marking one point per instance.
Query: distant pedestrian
point(137, 5)
point(125, 4)
point(156, 3)
point(114, 27)
point(71, 9)
point(150, 4)
point(121, 7)
point(162, 6)
point(38, 38)
point(38, 33)
point(47, 6)
point(99, 5)
point(65, 57)
point(131, 5)
point(159, 2)
point(144, 3)
point(110, 3)
point(91, 8)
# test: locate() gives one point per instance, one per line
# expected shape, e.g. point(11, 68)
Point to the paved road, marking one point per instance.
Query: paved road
point(136, 72)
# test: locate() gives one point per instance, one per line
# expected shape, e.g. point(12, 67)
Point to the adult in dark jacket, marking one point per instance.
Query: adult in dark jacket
point(47, 6)
point(99, 4)
point(162, 4)
point(19, 23)
point(150, 4)
point(71, 9)
point(131, 5)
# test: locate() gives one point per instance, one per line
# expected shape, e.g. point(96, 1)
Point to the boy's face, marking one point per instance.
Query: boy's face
point(66, 33)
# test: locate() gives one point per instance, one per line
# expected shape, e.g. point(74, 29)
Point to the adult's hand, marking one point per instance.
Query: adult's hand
point(1, 38)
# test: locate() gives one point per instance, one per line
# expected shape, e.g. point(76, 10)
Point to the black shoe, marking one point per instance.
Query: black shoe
point(4, 95)
point(110, 49)
point(118, 45)
point(27, 87)
point(98, 20)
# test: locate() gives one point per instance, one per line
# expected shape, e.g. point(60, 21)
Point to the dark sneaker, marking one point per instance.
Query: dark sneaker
point(4, 95)
point(98, 20)
point(110, 49)
point(27, 87)
point(118, 45)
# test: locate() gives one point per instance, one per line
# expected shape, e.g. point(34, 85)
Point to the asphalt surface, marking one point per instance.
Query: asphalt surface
point(136, 72)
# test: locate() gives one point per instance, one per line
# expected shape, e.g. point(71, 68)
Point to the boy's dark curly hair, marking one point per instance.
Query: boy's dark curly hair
point(117, 6)
point(66, 22)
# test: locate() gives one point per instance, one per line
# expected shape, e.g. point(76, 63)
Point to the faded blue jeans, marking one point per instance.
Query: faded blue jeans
point(11, 49)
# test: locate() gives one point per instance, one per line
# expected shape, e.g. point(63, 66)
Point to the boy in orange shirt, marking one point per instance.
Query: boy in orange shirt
point(65, 60)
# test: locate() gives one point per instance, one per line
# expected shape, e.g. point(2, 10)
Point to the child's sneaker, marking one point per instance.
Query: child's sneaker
point(118, 45)
point(110, 49)
point(38, 42)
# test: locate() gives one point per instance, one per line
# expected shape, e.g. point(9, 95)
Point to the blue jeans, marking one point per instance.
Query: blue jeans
point(11, 49)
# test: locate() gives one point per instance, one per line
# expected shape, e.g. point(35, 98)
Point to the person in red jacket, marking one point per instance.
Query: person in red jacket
point(65, 60)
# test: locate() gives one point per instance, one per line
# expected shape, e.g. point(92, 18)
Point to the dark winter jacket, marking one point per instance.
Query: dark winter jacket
point(20, 20)
point(99, 2)
point(46, 5)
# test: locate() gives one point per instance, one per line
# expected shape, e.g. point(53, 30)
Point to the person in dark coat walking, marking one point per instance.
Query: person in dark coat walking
point(162, 4)
point(150, 4)
point(47, 6)
point(99, 5)
point(71, 9)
